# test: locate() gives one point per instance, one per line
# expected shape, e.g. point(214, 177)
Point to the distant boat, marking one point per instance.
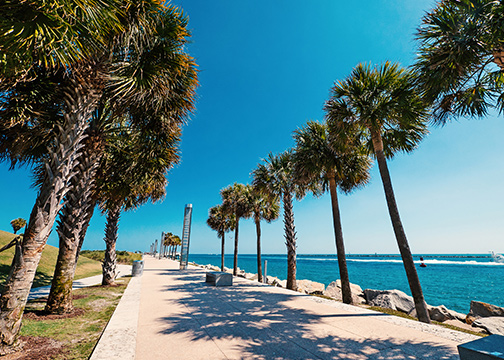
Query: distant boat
point(499, 258)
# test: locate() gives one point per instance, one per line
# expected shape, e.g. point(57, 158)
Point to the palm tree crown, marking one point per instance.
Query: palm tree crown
point(461, 57)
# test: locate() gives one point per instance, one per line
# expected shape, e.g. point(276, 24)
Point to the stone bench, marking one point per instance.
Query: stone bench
point(219, 278)
point(487, 348)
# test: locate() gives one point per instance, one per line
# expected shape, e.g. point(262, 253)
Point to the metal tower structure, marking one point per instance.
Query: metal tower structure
point(186, 234)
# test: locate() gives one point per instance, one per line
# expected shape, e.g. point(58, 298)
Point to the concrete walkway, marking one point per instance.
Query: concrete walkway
point(181, 317)
point(122, 270)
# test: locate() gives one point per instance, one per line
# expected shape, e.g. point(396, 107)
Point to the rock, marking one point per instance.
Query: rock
point(493, 325)
point(310, 287)
point(441, 313)
point(333, 290)
point(390, 299)
point(250, 276)
point(276, 281)
point(481, 310)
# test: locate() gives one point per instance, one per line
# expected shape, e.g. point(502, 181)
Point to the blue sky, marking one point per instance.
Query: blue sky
point(266, 67)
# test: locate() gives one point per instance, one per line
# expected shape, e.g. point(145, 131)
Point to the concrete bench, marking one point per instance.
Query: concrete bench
point(487, 348)
point(219, 278)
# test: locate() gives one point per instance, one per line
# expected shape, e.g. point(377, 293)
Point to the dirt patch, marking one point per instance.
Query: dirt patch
point(43, 315)
point(36, 348)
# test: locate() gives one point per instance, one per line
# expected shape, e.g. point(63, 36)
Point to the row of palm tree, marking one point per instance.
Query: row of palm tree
point(384, 110)
point(171, 242)
point(95, 105)
point(242, 201)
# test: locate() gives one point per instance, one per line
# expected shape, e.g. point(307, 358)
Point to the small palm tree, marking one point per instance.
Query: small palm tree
point(276, 177)
point(235, 202)
point(176, 242)
point(18, 224)
point(222, 222)
point(317, 159)
point(263, 207)
point(386, 107)
point(460, 46)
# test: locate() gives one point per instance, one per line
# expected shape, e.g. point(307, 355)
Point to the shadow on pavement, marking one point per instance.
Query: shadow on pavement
point(267, 326)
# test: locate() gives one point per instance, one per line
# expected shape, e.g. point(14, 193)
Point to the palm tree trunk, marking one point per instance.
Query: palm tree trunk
point(346, 291)
point(109, 262)
point(87, 219)
point(223, 236)
point(235, 260)
point(290, 240)
point(80, 97)
point(73, 221)
point(259, 262)
point(402, 241)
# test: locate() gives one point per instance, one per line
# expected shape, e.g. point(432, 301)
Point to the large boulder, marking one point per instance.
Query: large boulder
point(481, 310)
point(310, 287)
point(390, 299)
point(333, 290)
point(441, 313)
point(493, 325)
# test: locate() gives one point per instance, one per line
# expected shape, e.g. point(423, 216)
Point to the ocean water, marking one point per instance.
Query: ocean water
point(450, 280)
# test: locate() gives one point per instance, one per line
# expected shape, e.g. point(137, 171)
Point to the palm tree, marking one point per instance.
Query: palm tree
point(267, 208)
point(460, 46)
point(235, 202)
point(276, 177)
point(133, 172)
point(57, 47)
point(177, 241)
point(317, 159)
point(178, 75)
point(384, 105)
point(222, 222)
point(18, 224)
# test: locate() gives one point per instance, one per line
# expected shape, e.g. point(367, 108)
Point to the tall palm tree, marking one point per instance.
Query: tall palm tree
point(145, 49)
point(235, 202)
point(222, 222)
point(18, 224)
point(317, 159)
point(461, 42)
point(276, 176)
point(43, 45)
point(263, 207)
point(386, 107)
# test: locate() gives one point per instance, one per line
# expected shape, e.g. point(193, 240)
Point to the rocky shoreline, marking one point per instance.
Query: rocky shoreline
point(482, 317)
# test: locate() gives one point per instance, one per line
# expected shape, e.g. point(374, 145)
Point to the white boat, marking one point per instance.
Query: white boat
point(499, 258)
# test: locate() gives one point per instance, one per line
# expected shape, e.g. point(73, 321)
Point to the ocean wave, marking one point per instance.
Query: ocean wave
point(431, 261)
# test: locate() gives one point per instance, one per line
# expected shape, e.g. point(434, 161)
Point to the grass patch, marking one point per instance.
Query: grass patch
point(123, 257)
point(75, 336)
point(85, 267)
point(452, 327)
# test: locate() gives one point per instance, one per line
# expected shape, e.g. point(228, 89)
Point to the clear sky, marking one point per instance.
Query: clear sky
point(266, 67)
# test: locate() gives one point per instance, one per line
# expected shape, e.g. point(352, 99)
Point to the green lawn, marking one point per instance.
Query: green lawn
point(75, 337)
point(85, 267)
point(123, 257)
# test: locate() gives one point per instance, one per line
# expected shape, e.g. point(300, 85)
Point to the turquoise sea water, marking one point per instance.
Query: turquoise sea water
point(450, 280)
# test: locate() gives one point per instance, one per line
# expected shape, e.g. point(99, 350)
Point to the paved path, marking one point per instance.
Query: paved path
point(181, 317)
point(122, 270)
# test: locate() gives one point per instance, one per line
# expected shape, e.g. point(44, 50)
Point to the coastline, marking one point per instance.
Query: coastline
point(440, 313)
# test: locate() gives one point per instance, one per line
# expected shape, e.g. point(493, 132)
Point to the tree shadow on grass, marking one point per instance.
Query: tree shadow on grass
point(244, 321)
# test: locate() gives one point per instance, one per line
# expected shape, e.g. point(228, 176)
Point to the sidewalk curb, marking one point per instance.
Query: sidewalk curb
point(118, 340)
